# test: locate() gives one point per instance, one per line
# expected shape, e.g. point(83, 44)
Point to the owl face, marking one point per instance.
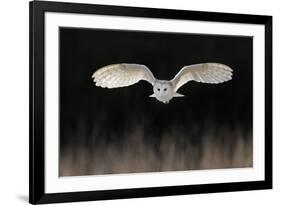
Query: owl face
point(163, 91)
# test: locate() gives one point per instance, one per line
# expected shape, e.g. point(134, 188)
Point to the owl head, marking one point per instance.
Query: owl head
point(163, 91)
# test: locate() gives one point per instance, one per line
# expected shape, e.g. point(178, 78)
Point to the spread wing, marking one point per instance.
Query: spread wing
point(204, 73)
point(121, 75)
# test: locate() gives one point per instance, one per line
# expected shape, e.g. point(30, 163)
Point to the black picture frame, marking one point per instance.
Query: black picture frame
point(37, 194)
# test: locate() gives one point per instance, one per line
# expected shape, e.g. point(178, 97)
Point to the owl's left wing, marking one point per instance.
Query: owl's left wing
point(204, 73)
point(121, 75)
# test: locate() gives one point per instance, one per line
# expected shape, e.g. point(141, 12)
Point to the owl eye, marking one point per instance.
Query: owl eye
point(165, 89)
point(158, 89)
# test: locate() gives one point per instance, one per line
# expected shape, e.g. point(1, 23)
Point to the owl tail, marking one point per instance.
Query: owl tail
point(177, 95)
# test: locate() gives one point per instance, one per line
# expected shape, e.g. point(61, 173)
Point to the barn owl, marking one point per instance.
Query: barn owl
point(126, 74)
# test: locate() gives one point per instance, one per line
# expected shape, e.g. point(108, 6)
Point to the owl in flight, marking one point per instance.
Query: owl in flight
point(125, 74)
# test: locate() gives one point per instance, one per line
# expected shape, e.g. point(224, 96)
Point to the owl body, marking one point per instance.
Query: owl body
point(163, 90)
point(124, 74)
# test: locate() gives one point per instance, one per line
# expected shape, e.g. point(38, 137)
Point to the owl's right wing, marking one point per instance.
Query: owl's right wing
point(122, 75)
point(203, 73)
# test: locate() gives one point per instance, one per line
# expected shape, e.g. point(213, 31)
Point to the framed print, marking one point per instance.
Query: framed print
point(140, 102)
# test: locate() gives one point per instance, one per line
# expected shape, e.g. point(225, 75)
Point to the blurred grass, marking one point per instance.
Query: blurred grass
point(174, 151)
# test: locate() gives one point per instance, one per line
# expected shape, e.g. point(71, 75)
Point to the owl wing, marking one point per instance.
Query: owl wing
point(122, 75)
point(204, 73)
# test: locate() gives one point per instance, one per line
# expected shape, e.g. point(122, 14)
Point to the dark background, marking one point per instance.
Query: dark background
point(111, 113)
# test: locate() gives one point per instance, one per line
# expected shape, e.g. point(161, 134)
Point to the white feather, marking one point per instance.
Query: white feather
point(204, 73)
point(121, 75)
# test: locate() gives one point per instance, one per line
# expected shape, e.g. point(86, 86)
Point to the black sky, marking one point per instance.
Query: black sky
point(83, 51)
